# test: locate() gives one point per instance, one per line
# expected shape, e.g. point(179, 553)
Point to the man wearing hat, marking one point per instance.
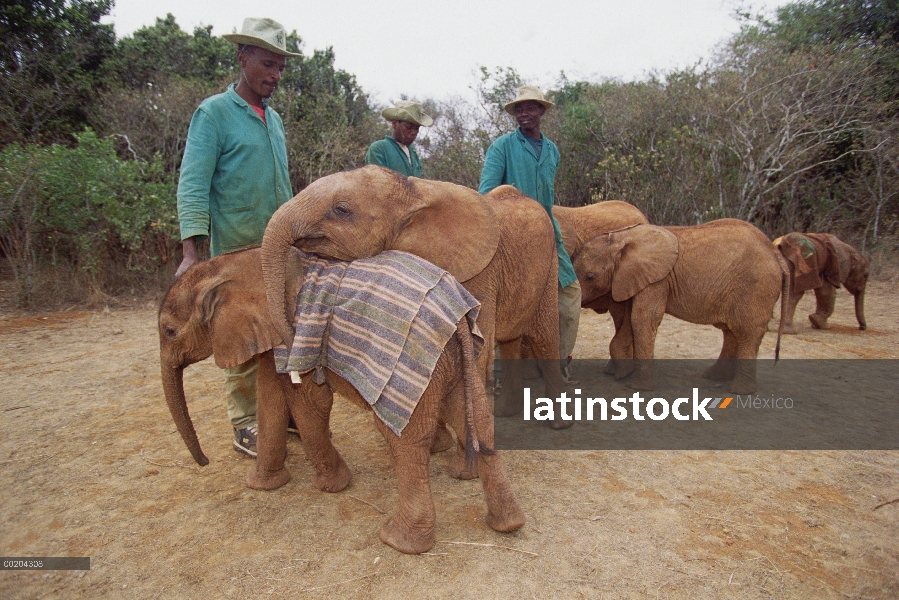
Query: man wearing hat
point(396, 152)
point(528, 160)
point(233, 178)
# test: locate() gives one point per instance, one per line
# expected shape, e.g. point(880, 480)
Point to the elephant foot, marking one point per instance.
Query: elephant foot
point(743, 386)
point(790, 330)
point(503, 406)
point(560, 424)
point(460, 468)
point(623, 368)
point(406, 539)
point(443, 440)
point(641, 382)
point(609, 368)
point(818, 322)
point(333, 481)
point(863, 326)
point(719, 372)
point(510, 518)
point(267, 480)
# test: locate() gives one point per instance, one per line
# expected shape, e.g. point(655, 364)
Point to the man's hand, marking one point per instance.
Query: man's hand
point(189, 253)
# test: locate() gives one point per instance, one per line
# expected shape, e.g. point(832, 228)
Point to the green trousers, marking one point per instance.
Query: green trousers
point(240, 393)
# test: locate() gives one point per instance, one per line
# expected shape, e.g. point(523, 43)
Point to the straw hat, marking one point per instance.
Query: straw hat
point(263, 33)
point(407, 111)
point(528, 92)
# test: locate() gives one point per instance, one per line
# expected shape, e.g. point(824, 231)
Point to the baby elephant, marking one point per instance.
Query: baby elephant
point(219, 307)
point(822, 262)
point(724, 273)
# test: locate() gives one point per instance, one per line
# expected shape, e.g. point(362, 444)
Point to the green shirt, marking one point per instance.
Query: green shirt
point(233, 174)
point(512, 160)
point(388, 153)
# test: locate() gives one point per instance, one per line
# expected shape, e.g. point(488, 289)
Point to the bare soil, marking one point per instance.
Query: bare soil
point(91, 465)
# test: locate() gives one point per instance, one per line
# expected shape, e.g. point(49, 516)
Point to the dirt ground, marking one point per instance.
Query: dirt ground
point(92, 466)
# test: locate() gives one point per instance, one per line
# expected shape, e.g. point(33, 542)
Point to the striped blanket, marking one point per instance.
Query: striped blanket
point(381, 324)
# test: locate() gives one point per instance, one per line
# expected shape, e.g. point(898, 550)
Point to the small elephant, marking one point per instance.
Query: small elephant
point(724, 273)
point(219, 307)
point(822, 262)
point(501, 247)
point(581, 224)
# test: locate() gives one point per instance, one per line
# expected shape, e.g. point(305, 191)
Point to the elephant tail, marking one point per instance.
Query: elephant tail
point(473, 447)
point(785, 292)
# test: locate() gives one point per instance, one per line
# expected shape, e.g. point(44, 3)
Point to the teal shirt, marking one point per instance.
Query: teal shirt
point(388, 153)
point(233, 174)
point(512, 160)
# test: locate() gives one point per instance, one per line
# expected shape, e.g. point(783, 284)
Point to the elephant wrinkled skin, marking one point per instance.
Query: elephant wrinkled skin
point(822, 262)
point(219, 307)
point(501, 247)
point(725, 273)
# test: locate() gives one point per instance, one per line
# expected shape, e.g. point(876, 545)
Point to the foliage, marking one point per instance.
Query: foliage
point(162, 52)
point(792, 125)
point(328, 118)
point(455, 146)
point(84, 208)
point(51, 52)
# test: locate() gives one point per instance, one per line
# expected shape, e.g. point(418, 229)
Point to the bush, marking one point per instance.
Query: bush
point(104, 220)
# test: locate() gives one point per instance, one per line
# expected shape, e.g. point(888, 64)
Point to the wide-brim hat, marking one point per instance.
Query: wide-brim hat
point(525, 93)
point(262, 33)
point(405, 110)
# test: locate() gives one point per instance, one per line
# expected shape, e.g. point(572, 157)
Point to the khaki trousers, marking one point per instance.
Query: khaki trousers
point(569, 318)
point(240, 393)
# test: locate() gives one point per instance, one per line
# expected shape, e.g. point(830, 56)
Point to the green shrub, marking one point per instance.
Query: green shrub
point(85, 209)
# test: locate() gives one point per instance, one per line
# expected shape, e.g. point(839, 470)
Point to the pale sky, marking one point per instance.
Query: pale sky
point(429, 49)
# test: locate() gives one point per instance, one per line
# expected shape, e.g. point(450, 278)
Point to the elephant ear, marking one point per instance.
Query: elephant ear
point(839, 262)
point(643, 255)
point(803, 253)
point(236, 316)
point(451, 226)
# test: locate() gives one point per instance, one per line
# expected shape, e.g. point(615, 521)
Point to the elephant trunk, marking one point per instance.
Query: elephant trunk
point(173, 385)
point(285, 227)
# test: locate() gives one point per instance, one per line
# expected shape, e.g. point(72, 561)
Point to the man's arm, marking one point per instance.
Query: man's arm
point(197, 167)
point(494, 170)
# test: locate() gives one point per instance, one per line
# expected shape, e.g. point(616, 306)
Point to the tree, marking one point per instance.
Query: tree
point(51, 52)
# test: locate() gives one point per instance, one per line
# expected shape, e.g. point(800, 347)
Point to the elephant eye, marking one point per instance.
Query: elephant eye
point(341, 211)
point(590, 276)
point(170, 333)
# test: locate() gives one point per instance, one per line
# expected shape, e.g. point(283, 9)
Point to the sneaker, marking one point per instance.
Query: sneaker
point(245, 440)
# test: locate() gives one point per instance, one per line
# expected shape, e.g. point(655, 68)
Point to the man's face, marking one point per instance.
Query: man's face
point(261, 69)
point(528, 114)
point(405, 132)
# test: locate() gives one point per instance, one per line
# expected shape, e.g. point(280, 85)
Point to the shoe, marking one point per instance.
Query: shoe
point(245, 440)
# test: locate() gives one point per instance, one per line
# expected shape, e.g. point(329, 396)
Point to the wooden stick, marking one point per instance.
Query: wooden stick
point(893, 501)
point(488, 546)
point(383, 512)
point(322, 587)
